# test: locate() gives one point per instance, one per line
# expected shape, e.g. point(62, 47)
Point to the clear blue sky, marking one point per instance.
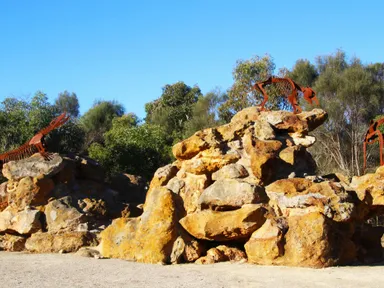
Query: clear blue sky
point(128, 50)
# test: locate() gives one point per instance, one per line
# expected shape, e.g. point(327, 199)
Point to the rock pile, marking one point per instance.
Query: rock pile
point(60, 205)
point(244, 191)
point(247, 190)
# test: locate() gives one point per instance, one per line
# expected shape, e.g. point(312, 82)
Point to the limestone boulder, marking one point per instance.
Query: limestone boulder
point(94, 208)
point(33, 166)
point(30, 191)
point(148, 238)
point(230, 194)
point(287, 121)
point(370, 187)
point(222, 253)
point(61, 215)
point(3, 196)
point(224, 226)
point(209, 161)
point(191, 187)
point(198, 142)
point(12, 243)
point(64, 242)
point(26, 221)
point(299, 196)
point(162, 176)
point(186, 249)
point(231, 171)
point(266, 244)
point(313, 240)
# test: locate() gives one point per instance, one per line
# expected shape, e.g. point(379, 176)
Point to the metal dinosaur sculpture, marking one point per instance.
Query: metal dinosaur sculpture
point(374, 134)
point(290, 90)
point(36, 144)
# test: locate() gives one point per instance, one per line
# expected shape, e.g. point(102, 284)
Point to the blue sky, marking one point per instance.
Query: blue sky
point(128, 50)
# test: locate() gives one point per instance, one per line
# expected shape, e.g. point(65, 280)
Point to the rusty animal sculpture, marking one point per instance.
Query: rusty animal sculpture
point(373, 135)
point(35, 144)
point(290, 90)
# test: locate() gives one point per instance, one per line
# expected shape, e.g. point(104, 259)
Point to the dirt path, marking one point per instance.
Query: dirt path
point(55, 270)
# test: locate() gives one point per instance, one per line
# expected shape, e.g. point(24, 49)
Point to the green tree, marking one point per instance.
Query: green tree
point(351, 96)
point(174, 108)
point(303, 73)
point(98, 120)
point(20, 120)
point(68, 102)
point(241, 95)
point(204, 113)
point(135, 149)
point(13, 120)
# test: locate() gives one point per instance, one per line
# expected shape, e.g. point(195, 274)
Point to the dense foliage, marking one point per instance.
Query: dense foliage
point(350, 91)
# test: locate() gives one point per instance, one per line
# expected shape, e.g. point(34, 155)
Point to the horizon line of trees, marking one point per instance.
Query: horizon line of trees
point(351, 92)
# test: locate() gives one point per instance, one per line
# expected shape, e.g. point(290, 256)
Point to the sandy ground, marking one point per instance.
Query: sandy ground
point(56, 270)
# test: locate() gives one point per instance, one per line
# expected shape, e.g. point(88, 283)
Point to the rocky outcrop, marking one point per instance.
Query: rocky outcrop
point(220, 194)
point(244, 191)
point(148, 238)
point(58, 204)
point(224, 225)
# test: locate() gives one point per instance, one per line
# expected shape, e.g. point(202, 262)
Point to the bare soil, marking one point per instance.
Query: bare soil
point(61, 270)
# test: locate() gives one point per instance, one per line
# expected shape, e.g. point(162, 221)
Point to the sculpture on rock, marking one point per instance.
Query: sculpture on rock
point(36, 144)
point(374, 134)
point(289, 89)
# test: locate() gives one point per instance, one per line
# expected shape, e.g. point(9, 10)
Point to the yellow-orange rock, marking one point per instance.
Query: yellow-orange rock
point(30, 191)
point(230, 194)
point(311, 241)
point(148, 238)
point(370, 187)
point(162, 176)
point(192, 187)
point(266, 244)
point(59, 242)
point(299, 196)
point(12, 243)
point(222, 253)
point(190, 147)
point(33, 166)
point(209, 161)
point(22, 222)
point(61, 215)
point(224, 226)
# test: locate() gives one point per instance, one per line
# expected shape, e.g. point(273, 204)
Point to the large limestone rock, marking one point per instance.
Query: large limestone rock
point(309, 240)
point(230, 194)
point(313, 240)
point(370, 187)
point(224, 226)
point(189, 187)
point(33, 166)
point(66, 241)
point(148, 238)
point(61, 215)
point(12, 243)
point(21, 222)
point(266, 244)
point(299, 196)
point(30, 191)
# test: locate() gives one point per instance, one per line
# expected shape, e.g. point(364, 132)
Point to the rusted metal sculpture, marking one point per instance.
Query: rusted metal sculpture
point(374, 135)
point(36, 144)
point(289, 89)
